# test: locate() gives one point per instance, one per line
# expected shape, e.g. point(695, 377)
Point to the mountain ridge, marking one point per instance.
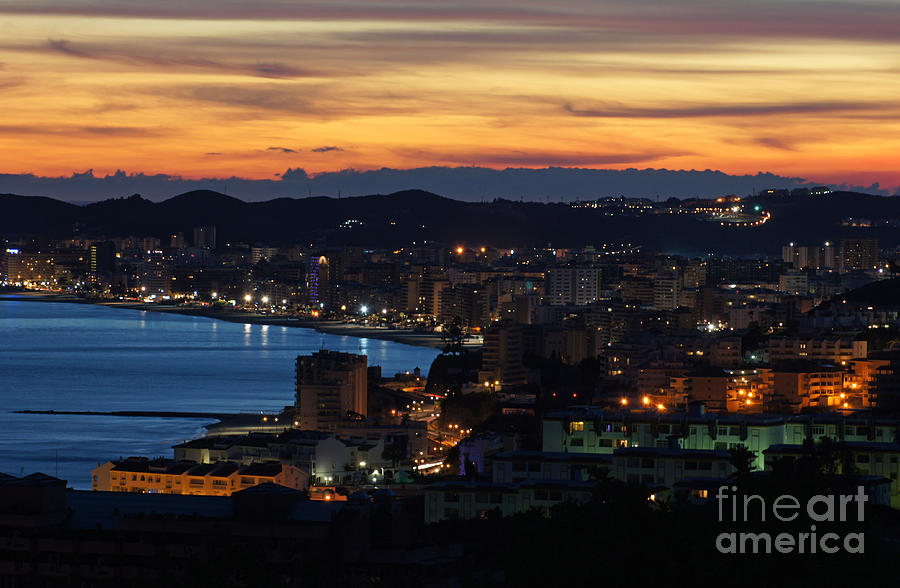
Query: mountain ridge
point(401, 218)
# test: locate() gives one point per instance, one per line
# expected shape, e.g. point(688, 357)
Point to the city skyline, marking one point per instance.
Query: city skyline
point(799, 89)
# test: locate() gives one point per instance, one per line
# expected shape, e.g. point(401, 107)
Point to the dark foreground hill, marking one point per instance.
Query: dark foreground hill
point(414, 216)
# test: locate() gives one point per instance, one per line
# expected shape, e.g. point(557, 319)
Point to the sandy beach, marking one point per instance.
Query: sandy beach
point(406, 336)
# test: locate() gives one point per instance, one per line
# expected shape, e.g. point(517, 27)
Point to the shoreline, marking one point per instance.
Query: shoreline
point(403, 336)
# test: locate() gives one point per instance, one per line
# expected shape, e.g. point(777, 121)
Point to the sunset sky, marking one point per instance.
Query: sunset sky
point(198, 88)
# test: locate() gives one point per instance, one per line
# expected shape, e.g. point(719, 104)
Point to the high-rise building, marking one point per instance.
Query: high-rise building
point(859, 254)
point(262, 253)
point(331, 387)
point(176, 241)
point(205, 237)
point(501, 364)
point(433, 283)
point(573, 285)
point(810, 256)
point(667, 291)
point(318, 279)
point(102, 259)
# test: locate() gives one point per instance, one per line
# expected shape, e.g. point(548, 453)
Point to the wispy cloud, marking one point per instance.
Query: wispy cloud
point(326, 149)
point(133, 56)
point(76, 130)
point(673, 110)
point(536, 158)
point(282, 149)
point(775, 143)
point(826, 19)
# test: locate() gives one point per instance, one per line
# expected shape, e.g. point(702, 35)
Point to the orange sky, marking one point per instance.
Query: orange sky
point(225, 87)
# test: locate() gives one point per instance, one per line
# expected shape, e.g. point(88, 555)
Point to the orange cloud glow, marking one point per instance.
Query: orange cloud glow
point(220, 88)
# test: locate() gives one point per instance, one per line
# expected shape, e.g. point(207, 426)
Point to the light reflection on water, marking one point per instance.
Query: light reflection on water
point(64, 356)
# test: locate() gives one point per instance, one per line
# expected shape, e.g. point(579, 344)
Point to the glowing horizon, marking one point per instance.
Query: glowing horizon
point(230, 88)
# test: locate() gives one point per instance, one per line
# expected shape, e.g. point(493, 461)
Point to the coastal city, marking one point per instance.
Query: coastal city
point(560, 371)
point(449, 294)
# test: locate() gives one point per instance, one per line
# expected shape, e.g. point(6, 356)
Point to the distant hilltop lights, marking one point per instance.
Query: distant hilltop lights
point(728, 211)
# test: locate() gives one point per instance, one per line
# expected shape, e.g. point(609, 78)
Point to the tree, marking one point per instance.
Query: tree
point(742, 460)
point(452, 336)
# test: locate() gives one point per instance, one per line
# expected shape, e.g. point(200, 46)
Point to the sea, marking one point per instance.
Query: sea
point(82, 357)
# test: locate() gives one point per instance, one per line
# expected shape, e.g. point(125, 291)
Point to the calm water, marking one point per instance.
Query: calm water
point(80, 357)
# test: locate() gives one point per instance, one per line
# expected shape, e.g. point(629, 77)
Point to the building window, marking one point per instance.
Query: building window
point(576, 426)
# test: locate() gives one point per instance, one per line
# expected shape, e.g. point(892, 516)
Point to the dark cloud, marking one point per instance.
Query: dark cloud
point(63, 46)
point(775, 143)
point(326, 148)
point(463, 183)
point(825, 19)
point(326, 100)
point(74, 130)
point(618, 110)
point(132, 55)
point(282, 149)
point(212, 153)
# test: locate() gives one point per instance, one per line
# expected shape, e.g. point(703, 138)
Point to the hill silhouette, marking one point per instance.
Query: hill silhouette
point(401, 218)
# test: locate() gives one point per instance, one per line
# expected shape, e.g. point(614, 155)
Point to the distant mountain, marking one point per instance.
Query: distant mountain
point(469, 183)
point(410, 216)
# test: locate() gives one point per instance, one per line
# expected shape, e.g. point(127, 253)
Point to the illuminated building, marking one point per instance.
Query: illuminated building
point(318, 278)
point(102, 258)
point(331, 387)
point(858, 254)
point(573, 285)
point(473, 500)
point(262, 253)
point(837, 350)
point(601, 432)
point(726, 390)
point(166, 476)
point(810, 387)
point(810, 256)
point(502, 357)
